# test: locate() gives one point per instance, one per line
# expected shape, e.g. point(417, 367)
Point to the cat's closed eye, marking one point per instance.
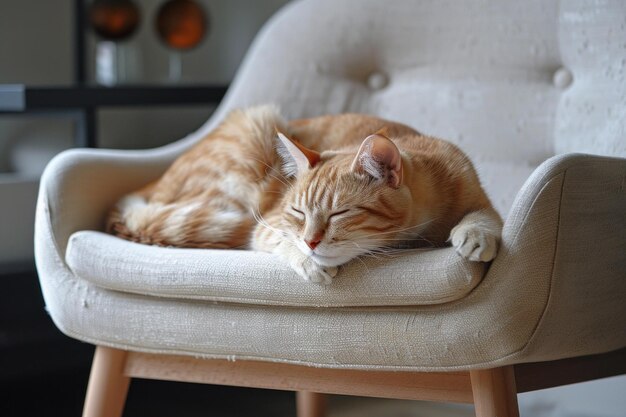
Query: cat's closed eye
point(297, 213)
point(337, 214)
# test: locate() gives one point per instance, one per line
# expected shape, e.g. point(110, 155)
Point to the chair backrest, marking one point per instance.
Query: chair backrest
point(512, 82)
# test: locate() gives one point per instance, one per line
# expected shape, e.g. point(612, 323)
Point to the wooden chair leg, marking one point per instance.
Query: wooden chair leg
point(494, 392)
point(310, 404)
point(108, 386)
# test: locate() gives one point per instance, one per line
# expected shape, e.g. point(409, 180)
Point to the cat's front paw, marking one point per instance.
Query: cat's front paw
point(311, 271)
point(474, 242)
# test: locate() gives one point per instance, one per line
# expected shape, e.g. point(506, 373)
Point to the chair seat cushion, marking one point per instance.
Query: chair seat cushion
point(412, 277)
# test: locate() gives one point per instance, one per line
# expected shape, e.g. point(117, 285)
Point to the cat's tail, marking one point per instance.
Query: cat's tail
point(195, 225)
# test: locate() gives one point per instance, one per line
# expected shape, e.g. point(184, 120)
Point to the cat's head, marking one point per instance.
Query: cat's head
point(343, 204)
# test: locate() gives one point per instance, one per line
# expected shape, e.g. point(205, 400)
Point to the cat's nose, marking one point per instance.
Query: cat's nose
point(312, 243)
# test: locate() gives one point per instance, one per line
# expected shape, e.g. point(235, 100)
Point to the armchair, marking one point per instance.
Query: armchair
point(520, 87)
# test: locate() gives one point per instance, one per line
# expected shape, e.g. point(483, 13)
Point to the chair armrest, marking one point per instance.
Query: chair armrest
point(79, 186)
point(567, 230)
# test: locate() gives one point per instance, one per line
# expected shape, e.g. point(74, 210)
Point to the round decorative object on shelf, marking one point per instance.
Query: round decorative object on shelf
point(114, 20)
point(181, 24)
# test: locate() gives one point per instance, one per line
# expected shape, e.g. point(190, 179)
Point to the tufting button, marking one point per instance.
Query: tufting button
point(562, 78)
point(377, 81)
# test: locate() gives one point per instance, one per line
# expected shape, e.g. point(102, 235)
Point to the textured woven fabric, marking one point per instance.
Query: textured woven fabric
point(412, 278)
point(510, 85)
point(520, 310)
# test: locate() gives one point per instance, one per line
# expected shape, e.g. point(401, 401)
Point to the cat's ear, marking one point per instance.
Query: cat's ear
point(296, 157)
point(379, 157)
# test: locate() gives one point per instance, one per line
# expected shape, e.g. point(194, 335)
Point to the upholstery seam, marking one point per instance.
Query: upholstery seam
point(47, 213)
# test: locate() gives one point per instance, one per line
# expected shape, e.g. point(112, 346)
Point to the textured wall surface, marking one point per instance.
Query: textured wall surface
point(591, 116)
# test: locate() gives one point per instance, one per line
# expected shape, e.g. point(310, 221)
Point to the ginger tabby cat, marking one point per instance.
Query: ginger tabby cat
point(318, 192)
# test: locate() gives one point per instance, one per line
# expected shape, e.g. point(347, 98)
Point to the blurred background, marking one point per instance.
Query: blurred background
point(117, 74)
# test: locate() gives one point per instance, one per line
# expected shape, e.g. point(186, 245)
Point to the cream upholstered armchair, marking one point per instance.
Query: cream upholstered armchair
point(518, 85)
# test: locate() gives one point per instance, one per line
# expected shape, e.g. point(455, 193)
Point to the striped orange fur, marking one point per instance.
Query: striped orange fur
point(327, 190)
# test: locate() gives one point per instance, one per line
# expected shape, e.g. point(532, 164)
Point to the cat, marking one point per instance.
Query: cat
point(319, 192)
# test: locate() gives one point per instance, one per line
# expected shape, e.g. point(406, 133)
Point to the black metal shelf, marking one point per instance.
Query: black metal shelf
point(82, 101)
point(52, 98)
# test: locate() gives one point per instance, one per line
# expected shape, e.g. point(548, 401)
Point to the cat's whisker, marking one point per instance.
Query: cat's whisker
point(419, 237)
point(266, 165)
point(282, 181)
point(363, 263)
point(378, 255)
point(360, 251)
point(260, 220)
point(273, 171)
point(355, 244)
point(266, 225)
point(400, 230)
point(388, 252)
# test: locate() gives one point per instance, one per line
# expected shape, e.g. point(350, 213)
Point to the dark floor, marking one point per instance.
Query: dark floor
point(44, 373)
point(62, 394)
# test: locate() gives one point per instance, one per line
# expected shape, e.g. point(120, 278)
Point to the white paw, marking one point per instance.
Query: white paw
point(311, 271)
point(474, 242)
